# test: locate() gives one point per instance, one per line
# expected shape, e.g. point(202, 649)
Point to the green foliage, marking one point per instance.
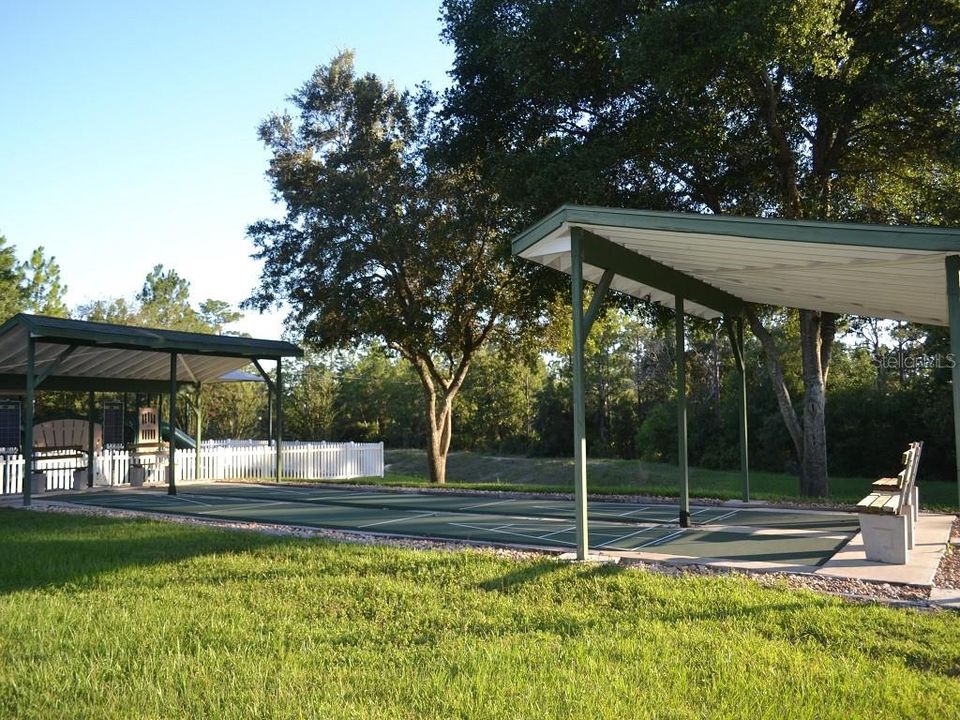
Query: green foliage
point(383, 241)
point(41, 285)
point(496, 410)
point(310, 406)
point(426, 272)
point(815, 108)
point(191, 622)
point(31, 286)
point(507, 407)
point(11, 292)
point(163, 302)
point(235, 410)
point(380, 398)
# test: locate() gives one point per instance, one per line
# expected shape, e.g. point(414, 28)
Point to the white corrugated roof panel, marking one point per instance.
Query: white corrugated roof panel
point(818, 266)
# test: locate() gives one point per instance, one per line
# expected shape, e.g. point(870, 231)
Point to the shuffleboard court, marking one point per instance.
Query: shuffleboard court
point(780, 537)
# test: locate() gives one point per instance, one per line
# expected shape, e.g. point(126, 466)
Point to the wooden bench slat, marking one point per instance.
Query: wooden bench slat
point(890, 495)
point(880, 502)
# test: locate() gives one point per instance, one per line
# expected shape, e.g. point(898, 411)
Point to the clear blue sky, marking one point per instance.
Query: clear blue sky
point(128, 129)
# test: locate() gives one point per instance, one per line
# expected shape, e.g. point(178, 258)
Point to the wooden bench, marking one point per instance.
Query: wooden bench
point(888, 515)
point(65, 441)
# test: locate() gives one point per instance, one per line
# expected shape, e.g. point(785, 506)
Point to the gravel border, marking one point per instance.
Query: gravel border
point(948, 574)
point(849, 589)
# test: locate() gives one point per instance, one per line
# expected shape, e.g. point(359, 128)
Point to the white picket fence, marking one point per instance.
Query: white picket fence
point(241, 460)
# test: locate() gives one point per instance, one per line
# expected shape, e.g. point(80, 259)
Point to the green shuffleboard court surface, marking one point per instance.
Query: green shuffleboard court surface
point(787, 537)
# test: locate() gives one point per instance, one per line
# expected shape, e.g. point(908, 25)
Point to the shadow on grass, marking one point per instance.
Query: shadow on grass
point(46, 550)
point(533, 572)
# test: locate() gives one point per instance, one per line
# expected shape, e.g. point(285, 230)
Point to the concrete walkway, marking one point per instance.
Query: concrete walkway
point(932, 537)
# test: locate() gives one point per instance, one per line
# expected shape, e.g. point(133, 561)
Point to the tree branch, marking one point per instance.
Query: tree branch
point(775, 368)
point(767, 100)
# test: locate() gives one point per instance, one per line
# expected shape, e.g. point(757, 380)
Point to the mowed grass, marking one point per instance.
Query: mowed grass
point(629, 477)
point(106, 618)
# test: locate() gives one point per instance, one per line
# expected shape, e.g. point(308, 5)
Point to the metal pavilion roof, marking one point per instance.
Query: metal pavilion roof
point(892, 272)
point(81, 355)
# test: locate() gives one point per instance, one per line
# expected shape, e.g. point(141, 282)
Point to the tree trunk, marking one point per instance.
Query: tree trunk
point(436, 458)
point(438, 394)
point(817, 331)
point(439, 434)
point(775, 370)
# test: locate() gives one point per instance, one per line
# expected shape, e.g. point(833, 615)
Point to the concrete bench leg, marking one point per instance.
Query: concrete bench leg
point(915, 503)
point(137, 476)
point(38, 483)
point(885, 537)
point(907, 512)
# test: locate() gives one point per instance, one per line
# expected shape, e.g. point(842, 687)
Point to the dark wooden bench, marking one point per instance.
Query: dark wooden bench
point(888, 515)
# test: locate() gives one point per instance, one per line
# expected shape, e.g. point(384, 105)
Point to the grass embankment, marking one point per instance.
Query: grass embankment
point(117, 619)
point(628, 477)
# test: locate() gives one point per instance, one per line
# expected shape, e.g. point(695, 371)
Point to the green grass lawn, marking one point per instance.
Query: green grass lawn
point(471, 470)
point(105, 618)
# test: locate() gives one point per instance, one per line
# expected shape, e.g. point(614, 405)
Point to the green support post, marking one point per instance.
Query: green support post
point(171, 431)
point(279, 419)
point(579, 408)
point(682, 416)
point(953, 311)
point(269, 416)
point(91, 441)
point(735, 333)
point(28, 423)
point(744, 417)
point(199, 437)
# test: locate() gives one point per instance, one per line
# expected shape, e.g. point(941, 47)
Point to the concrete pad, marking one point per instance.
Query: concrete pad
point(591, 558)
point(946, 597)
point(931, 538)
point(725, 563)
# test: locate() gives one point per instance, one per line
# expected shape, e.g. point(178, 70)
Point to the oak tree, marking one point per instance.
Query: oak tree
point(382, 240)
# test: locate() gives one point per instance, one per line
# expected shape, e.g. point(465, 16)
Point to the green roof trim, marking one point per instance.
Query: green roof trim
point(82, 332)
point(900, 237)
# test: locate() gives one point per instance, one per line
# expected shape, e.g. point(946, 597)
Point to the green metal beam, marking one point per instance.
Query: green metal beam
point(681, 353)
point(735, 333)
point(13, 383)
point(269, 417)
point(198, 410)
point(600, 252)
point(597, 300)
point(952, 263)
point(266, 378)
point(58, 361)
point(279, 419)
point(91, 438)
point(787, 231)
point(579, 408)
point(172, 428)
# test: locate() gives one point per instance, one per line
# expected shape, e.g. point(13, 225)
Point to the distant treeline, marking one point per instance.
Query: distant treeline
point(888, 384)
